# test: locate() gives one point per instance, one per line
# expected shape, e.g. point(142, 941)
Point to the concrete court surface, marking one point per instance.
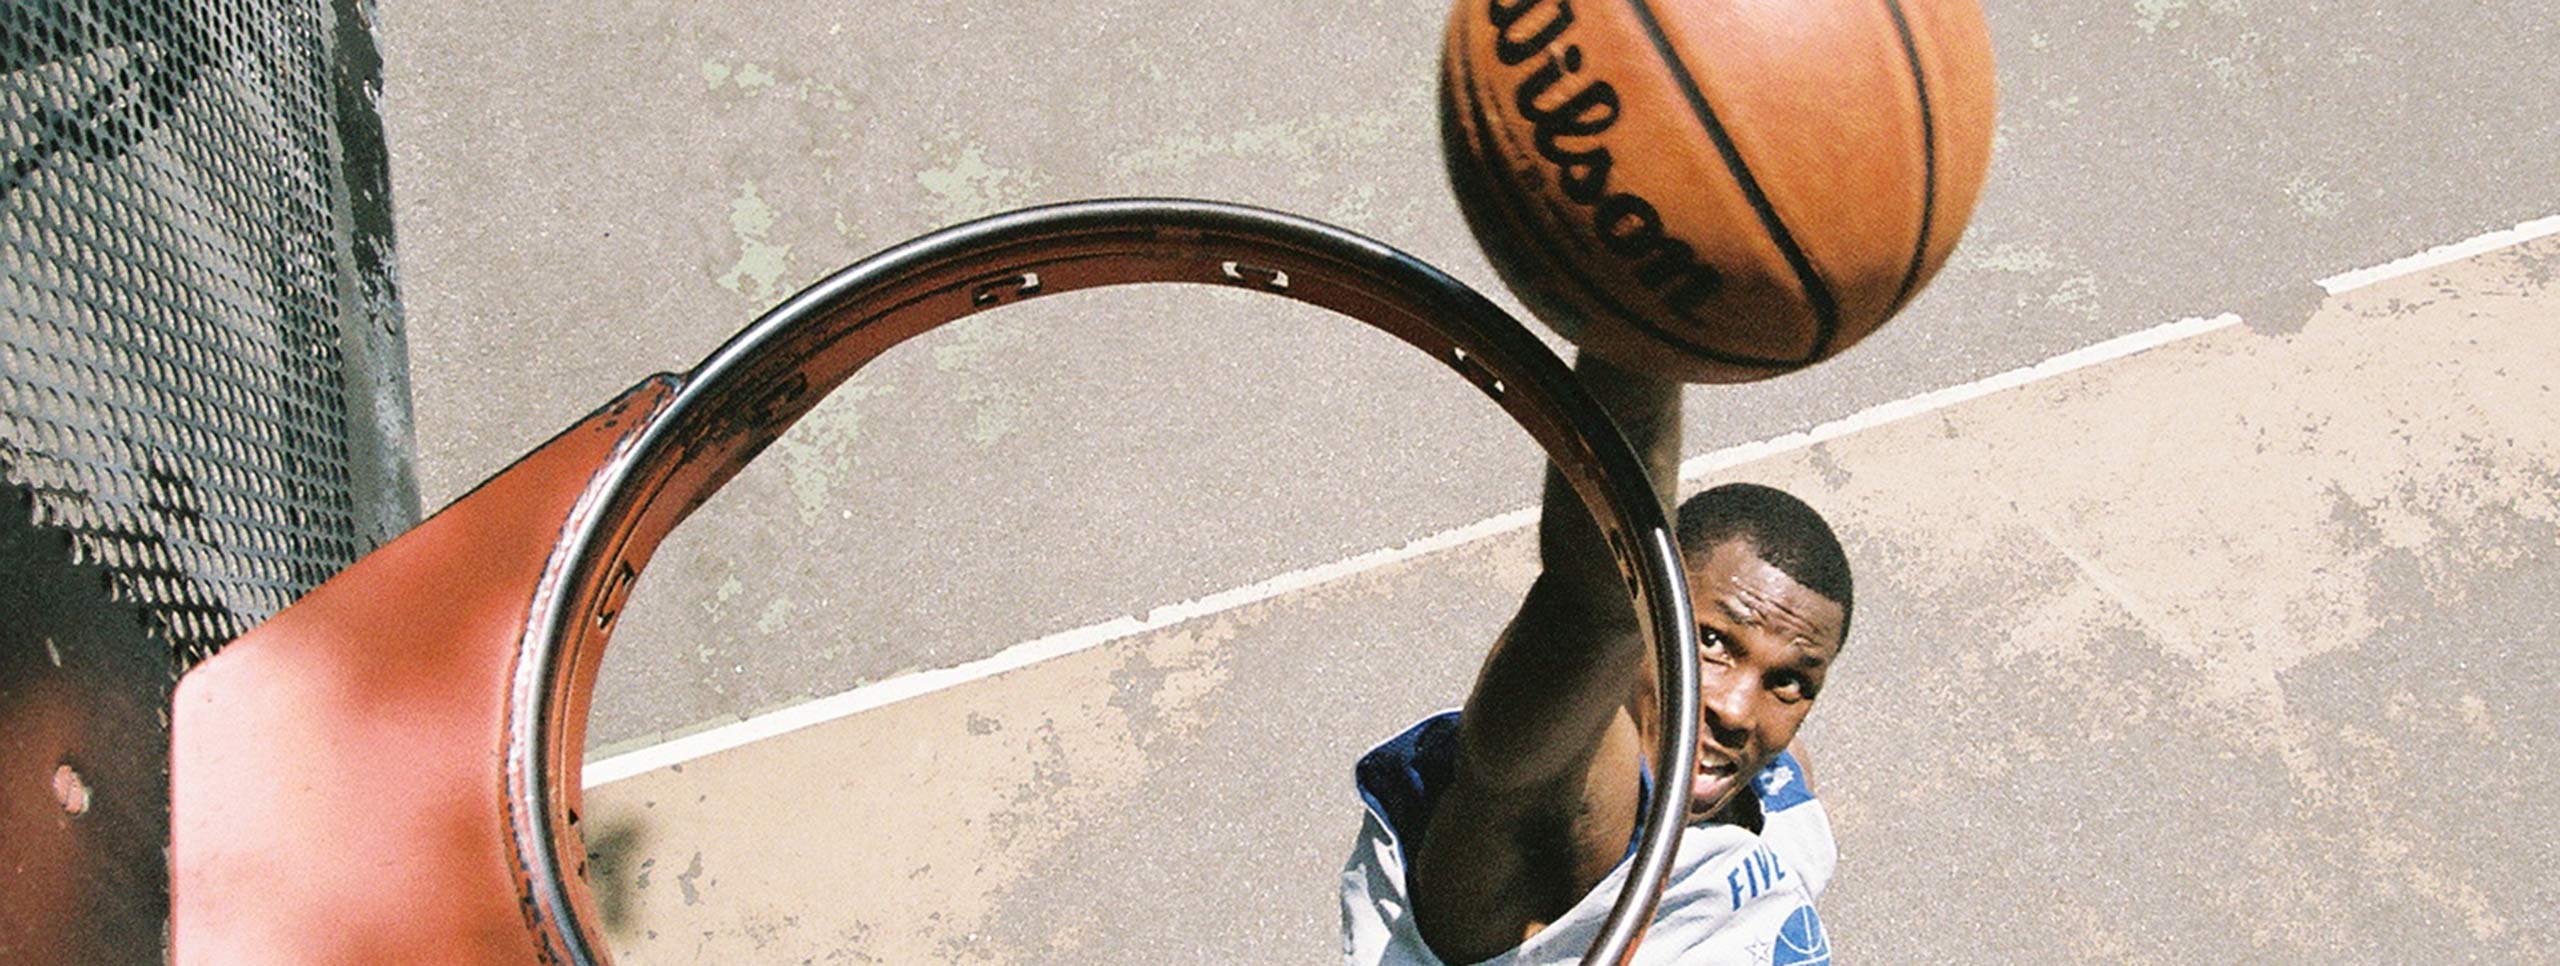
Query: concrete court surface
point(588, 192)
point(2236, 650)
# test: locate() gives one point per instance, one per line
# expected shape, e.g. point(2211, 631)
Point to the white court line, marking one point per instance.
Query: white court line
point(869, 696)
point(2523, 232)
point(750, 730)
point(1902, 409)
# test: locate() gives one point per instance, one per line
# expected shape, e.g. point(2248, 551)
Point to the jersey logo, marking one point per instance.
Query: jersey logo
point(1801, 942)
point(1781, 785)
point(1775, 778)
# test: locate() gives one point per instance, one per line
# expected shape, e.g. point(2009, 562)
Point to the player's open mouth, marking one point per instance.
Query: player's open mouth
point(1711, 783)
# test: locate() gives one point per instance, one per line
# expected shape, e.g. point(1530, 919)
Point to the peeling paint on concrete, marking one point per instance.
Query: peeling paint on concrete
point(1161, 689)
point(761, 262)
point(1300, 144)
point(2022, 257)
point(2313, 196)
point(776, 616)
point(996, 412)
point(964, 185)
point(819, 453)
point(685, 880)
point(743, 76)
point(966, 349)
point(2067, 284)
point(2077, 295)
point(750, 79)
point(976, 341)
point(722, 594)
point(2151, 15)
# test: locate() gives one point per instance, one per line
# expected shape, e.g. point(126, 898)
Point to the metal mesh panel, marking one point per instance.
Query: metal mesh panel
point(172, 248)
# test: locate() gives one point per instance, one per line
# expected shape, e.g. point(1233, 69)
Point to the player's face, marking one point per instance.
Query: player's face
point(1764, 644)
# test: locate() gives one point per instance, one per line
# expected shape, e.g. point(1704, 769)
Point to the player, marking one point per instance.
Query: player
point(1500, 833)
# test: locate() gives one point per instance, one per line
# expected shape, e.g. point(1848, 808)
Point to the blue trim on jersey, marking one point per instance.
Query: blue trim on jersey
point(1781, 785)
point(1401, 777)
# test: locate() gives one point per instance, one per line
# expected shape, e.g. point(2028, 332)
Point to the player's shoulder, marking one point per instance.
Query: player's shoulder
point(1794, 825)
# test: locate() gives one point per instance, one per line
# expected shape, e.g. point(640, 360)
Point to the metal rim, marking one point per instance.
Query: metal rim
point(765, 378)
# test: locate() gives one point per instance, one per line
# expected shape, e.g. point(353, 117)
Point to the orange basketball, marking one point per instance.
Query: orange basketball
point(1716, 190)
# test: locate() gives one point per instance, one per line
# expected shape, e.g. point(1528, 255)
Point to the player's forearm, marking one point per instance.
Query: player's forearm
point(1564, 668)
point(1554, 682)
point(1575, 557)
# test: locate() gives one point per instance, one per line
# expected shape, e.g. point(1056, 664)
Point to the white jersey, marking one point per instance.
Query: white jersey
point(1734, 897)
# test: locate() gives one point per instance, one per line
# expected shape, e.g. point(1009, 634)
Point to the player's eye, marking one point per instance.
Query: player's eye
point(1714, 647)
point(1791, 688)
point(1788, 688)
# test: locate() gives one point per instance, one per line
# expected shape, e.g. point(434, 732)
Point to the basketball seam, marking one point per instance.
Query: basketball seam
point(1482, 145)
point(1928, 158)
point(1826, 309)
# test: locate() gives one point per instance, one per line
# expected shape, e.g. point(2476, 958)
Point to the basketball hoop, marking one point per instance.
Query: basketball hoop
point(392, 764)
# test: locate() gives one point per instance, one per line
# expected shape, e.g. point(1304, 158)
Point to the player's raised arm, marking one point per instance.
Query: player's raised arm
point(1544, 793)
point(1566, 666)
point(1689, 241)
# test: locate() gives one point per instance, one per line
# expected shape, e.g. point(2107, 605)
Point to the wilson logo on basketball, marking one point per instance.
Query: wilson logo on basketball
point(1567, 114)
point(1716, 190)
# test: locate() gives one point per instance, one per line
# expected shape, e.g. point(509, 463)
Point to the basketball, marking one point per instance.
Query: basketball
point(1716, 190)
